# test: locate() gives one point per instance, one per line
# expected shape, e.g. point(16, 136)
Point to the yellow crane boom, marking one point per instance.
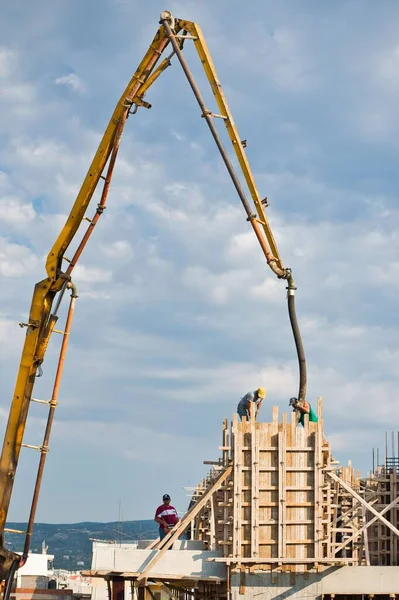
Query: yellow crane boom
point(48, 293)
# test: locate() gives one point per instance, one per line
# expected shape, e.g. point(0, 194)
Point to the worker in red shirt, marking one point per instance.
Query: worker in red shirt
point(166, 516)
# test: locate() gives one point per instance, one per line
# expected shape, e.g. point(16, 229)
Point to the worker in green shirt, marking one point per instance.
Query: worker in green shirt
point(303, 408)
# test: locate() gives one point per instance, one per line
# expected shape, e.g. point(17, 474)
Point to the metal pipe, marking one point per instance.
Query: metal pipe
point(37, 334)
point(165, 18)
point(59, 299)
point(271, 260)
point(50, 418)
point(299, 346)
point(386, 448)
point(10, 578)
point(251, 217)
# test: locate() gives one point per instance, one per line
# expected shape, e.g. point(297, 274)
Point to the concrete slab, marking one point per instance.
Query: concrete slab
point(362, 580)
point(312, 586)
point(177, 563)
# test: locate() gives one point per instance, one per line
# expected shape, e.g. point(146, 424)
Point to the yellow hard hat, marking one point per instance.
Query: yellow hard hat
point(261, 392)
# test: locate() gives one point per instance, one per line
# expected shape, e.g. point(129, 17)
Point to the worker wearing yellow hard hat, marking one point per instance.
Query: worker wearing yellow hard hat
point(256, 396)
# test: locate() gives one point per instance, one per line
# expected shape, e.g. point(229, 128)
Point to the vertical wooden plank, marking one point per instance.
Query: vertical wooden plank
point(273, 429)
point(241, 590)
point(329, 511)
point(246, 489)
point(304, 512)
point(282, 493)
point(393, 516)
point(237, 536)
point(320, 412)
point(292, 512)
point(225, 452)
point(222, 536)
point(212, 524)
point(234, 438)
point(365, 538)
point(317, 496)
point(255, 488)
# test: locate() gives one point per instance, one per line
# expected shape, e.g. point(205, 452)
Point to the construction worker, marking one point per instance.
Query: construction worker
point(166, 516)
point(244, 404)
point(303, 408)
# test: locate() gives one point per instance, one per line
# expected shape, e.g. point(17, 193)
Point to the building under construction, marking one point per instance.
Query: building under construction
point(276, 517)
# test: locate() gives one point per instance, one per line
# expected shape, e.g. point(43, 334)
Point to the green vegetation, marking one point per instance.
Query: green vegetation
point(71, 544)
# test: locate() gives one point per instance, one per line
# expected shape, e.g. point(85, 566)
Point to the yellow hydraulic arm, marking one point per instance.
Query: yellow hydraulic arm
point(48, 293)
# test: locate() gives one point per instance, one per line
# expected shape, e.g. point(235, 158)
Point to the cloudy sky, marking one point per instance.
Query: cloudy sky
point(178, 316)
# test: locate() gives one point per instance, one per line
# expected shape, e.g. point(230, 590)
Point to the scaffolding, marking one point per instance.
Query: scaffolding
point(276, 501)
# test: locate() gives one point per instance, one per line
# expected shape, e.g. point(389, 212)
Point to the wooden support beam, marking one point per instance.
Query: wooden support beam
point(168, 591)
point(363, 502)
point(149, 590)
point(241, 590)
point(213, 523)
point(355, 510)
point(394, 517)
point(366, 525)
point(117, 588)
point(365, 538)
point(185, 522)
point(270, 561)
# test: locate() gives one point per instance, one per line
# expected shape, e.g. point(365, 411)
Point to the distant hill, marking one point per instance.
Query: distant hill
point(71, 544)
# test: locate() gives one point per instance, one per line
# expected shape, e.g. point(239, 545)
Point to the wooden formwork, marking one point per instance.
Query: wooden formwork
point(278, 489)
point(285, 504)
point(275, 499)
point(382, 542)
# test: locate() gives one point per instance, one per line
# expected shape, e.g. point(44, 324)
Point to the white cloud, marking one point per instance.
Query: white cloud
point(16, 94)
point(14, 212)
point(284, 57)
point(269, 290)
point(15, 259)
point(40, 151)
point(134, 442)
point(72, 81)
point(11, 337)
point(7, 61)
point(121, 249)
point(218, 288)
point(287, 59)
point(91, 275)
point(187, 316)
point(346, 441)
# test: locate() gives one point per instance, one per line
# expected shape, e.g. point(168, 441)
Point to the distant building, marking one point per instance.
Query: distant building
point(37, 580)
point(36, 572)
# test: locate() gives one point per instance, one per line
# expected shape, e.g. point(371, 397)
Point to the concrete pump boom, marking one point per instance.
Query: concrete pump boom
point(49, 292)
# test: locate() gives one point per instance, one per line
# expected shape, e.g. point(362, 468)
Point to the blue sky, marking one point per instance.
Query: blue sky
point(178, 315)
